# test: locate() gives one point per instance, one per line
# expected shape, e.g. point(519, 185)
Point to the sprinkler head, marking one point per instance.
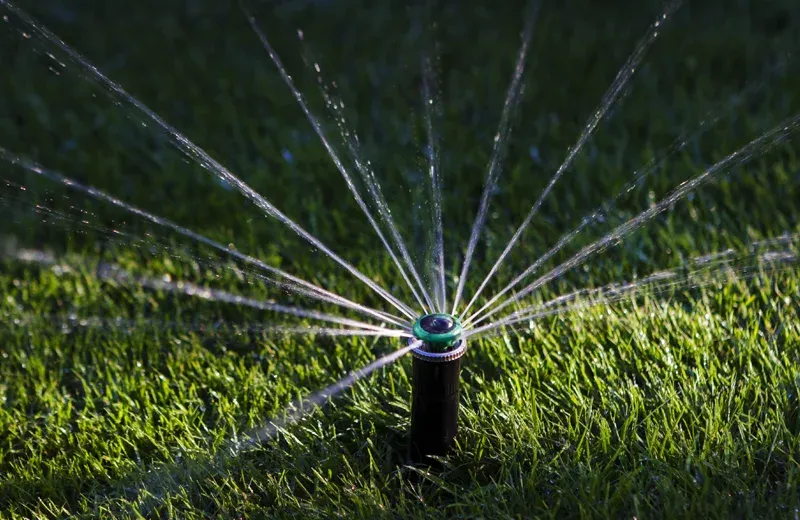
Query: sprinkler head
point(439, 332)
point(435, 385)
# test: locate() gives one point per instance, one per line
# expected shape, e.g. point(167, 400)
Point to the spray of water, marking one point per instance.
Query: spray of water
point(157, 484)
point(151, 244)
point(769, 256)
point(364, 167)
point(286, 280)
point(498, 151)
point(114, 273)
point(369, 179)
point(754, 149)
point(129, 325)
point(609, 99)
point(436, 238)
point(653, 166)
point(301, 408)
point(145, 115)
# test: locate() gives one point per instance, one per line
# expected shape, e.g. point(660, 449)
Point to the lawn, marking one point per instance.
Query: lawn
point(120, 400)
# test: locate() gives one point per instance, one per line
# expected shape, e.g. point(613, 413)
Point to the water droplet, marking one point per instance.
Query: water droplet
point(535, 154)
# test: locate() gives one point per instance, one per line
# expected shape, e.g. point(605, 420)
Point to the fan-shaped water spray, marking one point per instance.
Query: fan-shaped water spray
point(437, 340)
point(754, 149)
point(609, 98)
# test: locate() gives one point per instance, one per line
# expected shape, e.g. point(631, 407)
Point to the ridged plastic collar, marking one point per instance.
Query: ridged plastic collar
point(440, 357)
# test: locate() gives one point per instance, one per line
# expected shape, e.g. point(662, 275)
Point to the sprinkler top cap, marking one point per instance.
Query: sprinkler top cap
point(439, 332)
point(437, 323)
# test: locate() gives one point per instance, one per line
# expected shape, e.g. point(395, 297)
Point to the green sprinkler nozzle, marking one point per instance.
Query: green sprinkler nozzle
point(439, 332)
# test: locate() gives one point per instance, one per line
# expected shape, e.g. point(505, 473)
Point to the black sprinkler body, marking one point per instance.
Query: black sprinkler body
point(435, 385)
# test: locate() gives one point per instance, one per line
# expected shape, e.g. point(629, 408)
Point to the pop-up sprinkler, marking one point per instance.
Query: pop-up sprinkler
point(435, 384)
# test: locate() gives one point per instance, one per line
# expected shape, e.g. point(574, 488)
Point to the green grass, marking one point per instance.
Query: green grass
point(680, 404)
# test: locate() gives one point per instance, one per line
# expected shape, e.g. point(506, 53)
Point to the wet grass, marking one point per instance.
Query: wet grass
point(681, 404)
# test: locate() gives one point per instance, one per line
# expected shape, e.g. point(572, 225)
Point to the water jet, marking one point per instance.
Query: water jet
point(435, 384)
